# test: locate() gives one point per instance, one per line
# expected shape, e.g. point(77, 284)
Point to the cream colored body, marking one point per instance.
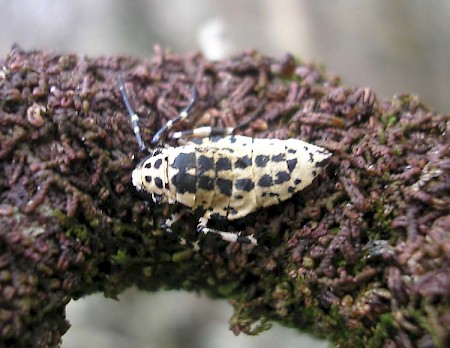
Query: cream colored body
point(275, 171)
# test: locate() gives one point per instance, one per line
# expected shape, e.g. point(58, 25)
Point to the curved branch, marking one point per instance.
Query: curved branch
point(360, 257)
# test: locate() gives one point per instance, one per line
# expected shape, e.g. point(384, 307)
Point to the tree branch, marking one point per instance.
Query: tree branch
point(360, 257)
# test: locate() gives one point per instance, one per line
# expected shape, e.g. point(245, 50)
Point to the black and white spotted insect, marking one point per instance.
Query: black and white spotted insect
point(226, 175)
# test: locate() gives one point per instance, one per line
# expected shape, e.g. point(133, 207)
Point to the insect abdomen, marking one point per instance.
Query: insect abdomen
point(233, 176)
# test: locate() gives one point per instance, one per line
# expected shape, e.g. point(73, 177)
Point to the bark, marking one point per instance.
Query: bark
point(360, 257)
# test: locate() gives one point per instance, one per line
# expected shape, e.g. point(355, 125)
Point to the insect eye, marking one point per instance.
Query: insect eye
point(157, 198)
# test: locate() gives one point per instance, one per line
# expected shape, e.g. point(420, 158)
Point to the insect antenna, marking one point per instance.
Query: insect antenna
point(253, 116)
point(181, 116)
point(134, 117)
point(203, 132)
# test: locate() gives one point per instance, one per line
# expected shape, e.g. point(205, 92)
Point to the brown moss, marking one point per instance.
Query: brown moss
point(360, 257)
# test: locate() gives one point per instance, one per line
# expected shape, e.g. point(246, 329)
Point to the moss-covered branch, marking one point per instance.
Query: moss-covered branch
point(360, 257)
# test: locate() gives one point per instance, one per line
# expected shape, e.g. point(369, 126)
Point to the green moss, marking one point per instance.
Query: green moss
point(381, 133)
point(120, 257)
point(308, 262)
point(389, 119)
point(227, 289)
point(183, 255)
point(431, 322)
point(73, 227)
point(147, 271)
point(383, 330)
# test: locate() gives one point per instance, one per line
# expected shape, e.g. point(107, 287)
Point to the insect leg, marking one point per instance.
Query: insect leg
point(167, 225)
point(134, 117)
point(227, 236)
point(203, 132)
point(181, 116)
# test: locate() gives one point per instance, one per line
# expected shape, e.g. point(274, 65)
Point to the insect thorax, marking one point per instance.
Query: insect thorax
point(150, 176)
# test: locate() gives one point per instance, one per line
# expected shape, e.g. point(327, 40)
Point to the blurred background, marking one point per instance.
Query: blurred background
point(393, 47)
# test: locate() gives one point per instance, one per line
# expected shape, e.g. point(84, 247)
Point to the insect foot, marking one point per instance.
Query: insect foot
point(227, 236)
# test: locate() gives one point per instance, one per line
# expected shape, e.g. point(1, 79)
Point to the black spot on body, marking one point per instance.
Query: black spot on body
point(279, 158)
point(297, 181)
point(292, 163)
point(282, 177)
point(158, 183)
point(244, 185)
point(291, 189)
point(261, 160)
point(197, 141)
point(204, 164)
point(321, 164)
point(311, 157)
point(223, 164)
point(148, 165)
point(265, 181)
point(232, 211)
point(184, 182)
point(238, 197)
point(148, 178)
point(184, 161)
point(158, 163)
point(292, 151)
point(273, 194)
point(243, 162)
point(215, 216)
point(225, 186)
point(232, 139)
point(206, 183)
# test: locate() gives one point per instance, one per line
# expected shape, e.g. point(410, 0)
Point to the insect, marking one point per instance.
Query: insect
point(228, 176)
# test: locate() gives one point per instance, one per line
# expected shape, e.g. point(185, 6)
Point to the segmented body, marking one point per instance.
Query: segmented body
point(228, 176)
